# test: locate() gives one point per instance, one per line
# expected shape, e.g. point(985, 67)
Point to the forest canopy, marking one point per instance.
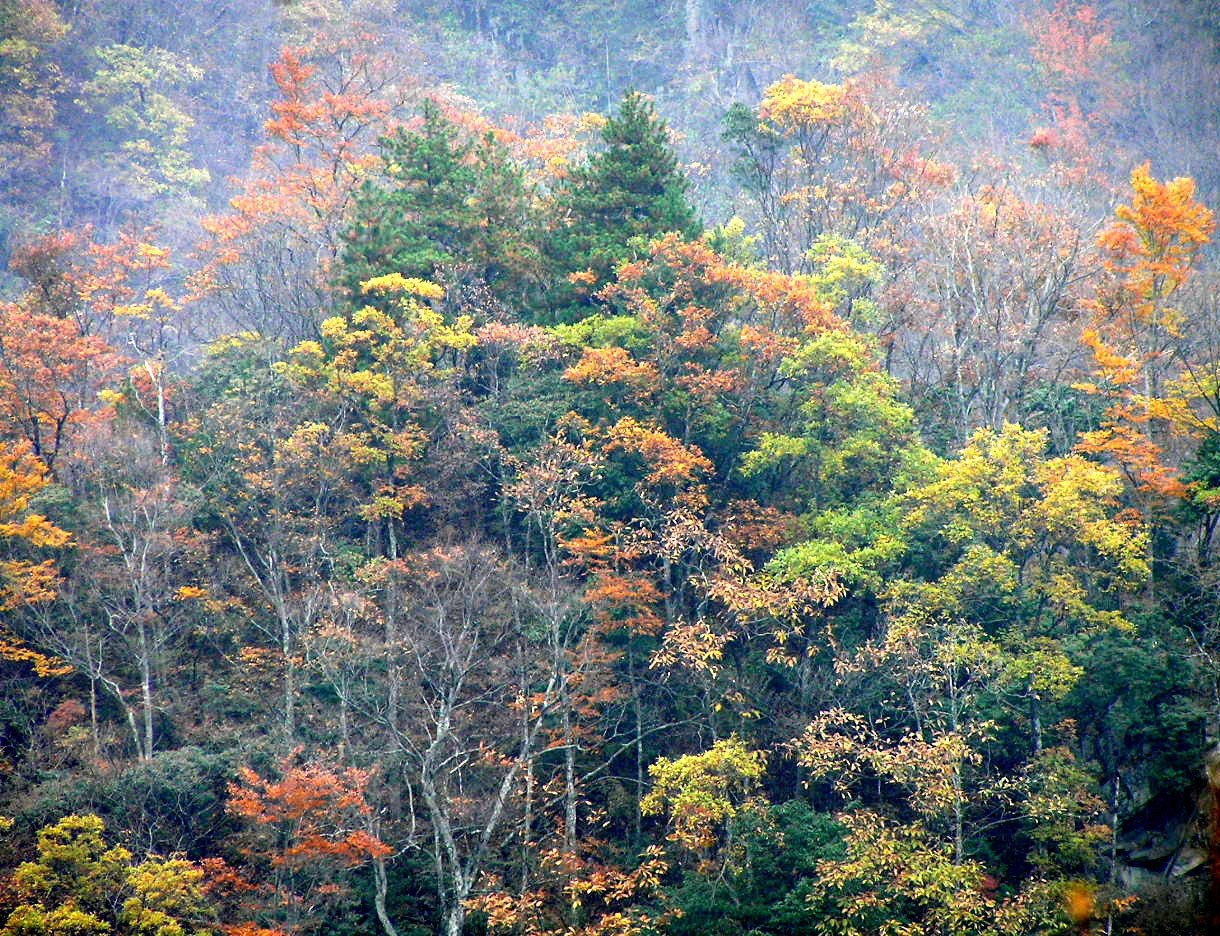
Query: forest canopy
point(661, 468)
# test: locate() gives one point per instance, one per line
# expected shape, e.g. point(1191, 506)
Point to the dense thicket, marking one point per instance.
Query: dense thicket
point(439, 494)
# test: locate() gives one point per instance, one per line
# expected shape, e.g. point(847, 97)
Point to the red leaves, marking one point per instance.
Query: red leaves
point(321, 812)
point(1072, 44)
point(336, 97)
point(1071, 41)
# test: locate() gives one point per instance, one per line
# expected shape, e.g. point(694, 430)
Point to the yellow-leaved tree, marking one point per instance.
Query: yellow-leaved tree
point(24, 578)
point(1014, 559)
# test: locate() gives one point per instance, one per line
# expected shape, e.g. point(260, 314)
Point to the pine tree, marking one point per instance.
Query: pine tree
point(414, 221)
point(444, 203)
point(629, 192)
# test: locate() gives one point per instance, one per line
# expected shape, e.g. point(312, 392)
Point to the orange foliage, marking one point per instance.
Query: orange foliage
point(1140, 457)
point(1152, 247)
point(690, 292)
point(610, 366)
point(750, 525)
point(50, 375)
point(622, 600)
point(1148, 252)
point(668, 462)
point(316, 808)
point(336, 97)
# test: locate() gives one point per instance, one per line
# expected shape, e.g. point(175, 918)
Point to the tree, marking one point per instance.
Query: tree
point(1072, 44)
point(480, 694)
point(446, 205)
point(311, 825)
point(1024, 552)
point(1135, 331)
point(846, 159)
point(996, 280)
point(80, 886)
point(50, 376)
point(382, 377)
point(25, 581)
point(895, 878)
point(30, 81)
point(142, 565)
point(131, 90)
point(581, 895)
point(630, 189)
point(706, 797)
point(270, 486)
point(268, 263)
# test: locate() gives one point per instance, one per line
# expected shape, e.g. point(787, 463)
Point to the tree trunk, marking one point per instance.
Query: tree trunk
point(97, 740)
point(128, 714)
point(694, 32)
point(290, 685)
point(455, 918)
point(569, 779)
point(146, 690)
point(1212, 923)
point(381, 886)
point(1035, 721)
point(527, 818)
point(639, 744)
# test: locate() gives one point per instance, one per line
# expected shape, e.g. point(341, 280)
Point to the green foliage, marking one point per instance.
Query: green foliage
point(854, 432)
point(174, 801)
point(133, 89)
point(770, 894)
point(444, 206)
point(626, 194)
point(522, 483)
point(704, 795)
point(30, 80)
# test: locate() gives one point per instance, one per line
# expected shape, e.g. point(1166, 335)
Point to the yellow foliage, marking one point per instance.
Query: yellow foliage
point(397, 284)
point(795, 104)
point(703, 793)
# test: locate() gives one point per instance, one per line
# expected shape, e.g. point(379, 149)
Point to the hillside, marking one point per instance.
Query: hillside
point(642, 469)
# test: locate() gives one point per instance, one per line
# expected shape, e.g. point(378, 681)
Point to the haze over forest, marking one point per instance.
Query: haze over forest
point(652, 468)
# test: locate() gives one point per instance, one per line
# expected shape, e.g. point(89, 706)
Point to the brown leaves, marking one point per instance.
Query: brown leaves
point(579, 894)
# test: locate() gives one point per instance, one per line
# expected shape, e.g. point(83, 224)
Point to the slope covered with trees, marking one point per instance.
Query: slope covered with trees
point(609, 470)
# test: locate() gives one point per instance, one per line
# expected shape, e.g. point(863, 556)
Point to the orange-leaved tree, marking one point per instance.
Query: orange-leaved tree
point(50, 376)
point(308, 826)
point(1136, 331)
point(267, 260)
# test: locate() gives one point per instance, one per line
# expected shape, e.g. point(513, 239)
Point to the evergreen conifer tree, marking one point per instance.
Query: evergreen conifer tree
point(443, 203)
point(630, 191)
